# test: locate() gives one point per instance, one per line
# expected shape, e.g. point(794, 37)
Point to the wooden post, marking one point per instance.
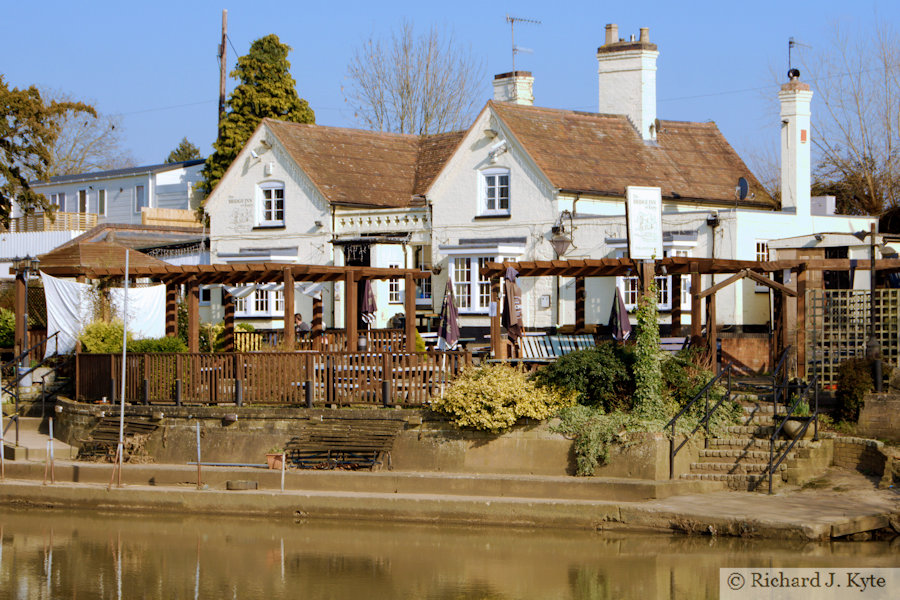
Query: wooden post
point(712, 333)
point(801, 322)
point(676, 305)
point(192, 290)
point(409, 298)
point(580, 296)
point(497, 348)
point(696, 307)
point(228, 306)
point(21, 342)
point(350, 310)
point(288, 308)
point(171, 310)
point(318, 321)
point(779, 301)
point(647, 273)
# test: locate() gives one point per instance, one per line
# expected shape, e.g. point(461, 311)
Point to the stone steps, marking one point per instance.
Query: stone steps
point(736, 481)
point(738, 455)
point(732, 467)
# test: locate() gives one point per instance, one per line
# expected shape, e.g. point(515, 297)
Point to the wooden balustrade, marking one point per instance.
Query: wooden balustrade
point(61, 221)
point(344, 378)
point(262, 340)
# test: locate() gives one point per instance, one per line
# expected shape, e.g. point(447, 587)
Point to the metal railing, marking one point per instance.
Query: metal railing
point(11, 386)
point(780, 376)
point(802, 393)
point(707, 415)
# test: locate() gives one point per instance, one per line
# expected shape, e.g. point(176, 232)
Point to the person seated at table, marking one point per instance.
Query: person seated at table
point(301, 328)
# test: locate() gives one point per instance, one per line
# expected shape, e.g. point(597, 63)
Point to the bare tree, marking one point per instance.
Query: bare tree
point(414, 84)
point(857, 119)
point(86, 142)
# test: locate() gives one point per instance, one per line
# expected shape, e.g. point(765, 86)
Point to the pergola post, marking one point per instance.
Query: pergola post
point(712, 335)
point(228, 306)
point(21, 342)
point(409, 298)
point(171, 310)
point(647, 274)
point(192, 291)
point(318, 322)
point(802, 281)
point(350, 311)
point(289, 308)
point(580, 296)
point(696, 307)
point(676, 305)
point(497, 347)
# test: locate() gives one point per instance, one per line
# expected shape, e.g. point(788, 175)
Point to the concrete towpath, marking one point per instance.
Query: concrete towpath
point(841, 504)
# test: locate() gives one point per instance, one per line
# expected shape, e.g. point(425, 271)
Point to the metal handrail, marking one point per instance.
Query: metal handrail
point(781, 366)
point(802, 392)
point(704, 422)
point(12, 387)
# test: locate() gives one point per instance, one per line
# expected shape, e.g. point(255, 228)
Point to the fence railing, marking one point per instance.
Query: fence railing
point(333, 340)
point(62, 221)
point(286, 378)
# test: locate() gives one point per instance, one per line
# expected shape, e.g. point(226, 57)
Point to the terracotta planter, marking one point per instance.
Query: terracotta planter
point(274, 460)
point(793, 426)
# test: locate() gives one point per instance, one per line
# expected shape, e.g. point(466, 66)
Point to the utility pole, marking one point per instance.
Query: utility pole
point(222, 61)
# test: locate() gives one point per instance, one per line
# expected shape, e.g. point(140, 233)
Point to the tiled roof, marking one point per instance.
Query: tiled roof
point(365, 168)
point(603, 154)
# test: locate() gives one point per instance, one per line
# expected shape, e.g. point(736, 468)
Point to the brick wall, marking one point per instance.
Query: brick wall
point(749, 352)
point(879, 416)
point(866, 456)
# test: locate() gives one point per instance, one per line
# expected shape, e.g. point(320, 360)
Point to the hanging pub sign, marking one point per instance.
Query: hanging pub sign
point(643, 213)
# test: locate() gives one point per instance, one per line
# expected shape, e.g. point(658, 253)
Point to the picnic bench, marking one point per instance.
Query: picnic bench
point(347, 444)
point(673, 345)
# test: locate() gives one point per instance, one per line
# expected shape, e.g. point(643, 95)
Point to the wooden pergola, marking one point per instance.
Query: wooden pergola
point(193, 276)
point(579, 269)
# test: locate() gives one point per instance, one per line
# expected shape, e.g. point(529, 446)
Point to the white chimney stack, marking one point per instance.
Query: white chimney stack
point(627, 78)
point(795, 98)
point(516, 86)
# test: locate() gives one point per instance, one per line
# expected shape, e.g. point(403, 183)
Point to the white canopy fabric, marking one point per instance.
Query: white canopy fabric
point(70, 308)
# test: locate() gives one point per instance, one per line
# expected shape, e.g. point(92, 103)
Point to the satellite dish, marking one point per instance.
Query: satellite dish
point(743, 188)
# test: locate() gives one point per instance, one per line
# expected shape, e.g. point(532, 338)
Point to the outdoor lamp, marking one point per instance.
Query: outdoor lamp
point(561, 241)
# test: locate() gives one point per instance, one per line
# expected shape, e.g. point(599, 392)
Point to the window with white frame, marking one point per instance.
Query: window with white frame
point(101, 203)
point(261, 301)
point(58, 200)
point(278, 296)
point(140, 198)
point(762, 254)
point(82, 201)
point(240, 306)
point(422, 255)
point(495, 192)
point(205, 295)
point(271, 204)
point(471, 290)
point(394, 295)
point(631, 286)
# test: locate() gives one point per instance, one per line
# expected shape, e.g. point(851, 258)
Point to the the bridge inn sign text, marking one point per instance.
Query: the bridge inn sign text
point(644, 214)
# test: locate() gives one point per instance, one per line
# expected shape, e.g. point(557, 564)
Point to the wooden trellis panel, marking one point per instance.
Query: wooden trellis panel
point(838, 328)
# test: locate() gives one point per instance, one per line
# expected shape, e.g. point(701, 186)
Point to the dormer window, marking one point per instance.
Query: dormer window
point(271, 204)
point(495, 192)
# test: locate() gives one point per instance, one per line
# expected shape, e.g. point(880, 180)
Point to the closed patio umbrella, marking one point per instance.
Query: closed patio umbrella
point(368, 308)
point(448, 332)
point(512, 310)
point(618, 318)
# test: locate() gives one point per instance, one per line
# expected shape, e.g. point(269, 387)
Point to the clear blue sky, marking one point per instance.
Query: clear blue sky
point(155, 62)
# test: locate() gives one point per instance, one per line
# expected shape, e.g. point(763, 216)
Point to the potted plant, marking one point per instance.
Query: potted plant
point(274, 457)
point(796, 422)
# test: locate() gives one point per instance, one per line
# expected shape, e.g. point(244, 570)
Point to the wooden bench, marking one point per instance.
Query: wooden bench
point(347, 444)
point(549, 347)
point(673, 345)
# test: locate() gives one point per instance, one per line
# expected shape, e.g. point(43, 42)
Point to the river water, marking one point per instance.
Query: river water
point(71, 555)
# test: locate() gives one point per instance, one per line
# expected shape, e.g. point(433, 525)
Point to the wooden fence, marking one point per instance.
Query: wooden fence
point(287, 378)
point(332, 340)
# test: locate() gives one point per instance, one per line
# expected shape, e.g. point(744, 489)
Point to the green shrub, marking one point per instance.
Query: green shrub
point(493, 397)
point(854, 382)
point(7, 328)
point(601, 376)
point(163, 344)
point(212, 337)
point(244, 327)
point(649, 388)
point(102, 337)
point(420, 343)
point(684, 378)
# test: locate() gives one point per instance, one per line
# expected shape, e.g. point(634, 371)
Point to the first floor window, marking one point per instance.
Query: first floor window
point(240, 305)
point(279, 301)
point(495, 192)
point(631, 286)
point(271, 204)
point(205, 295)
point(82, 201)
point(762, 254)
point(261, 301)
point(58, 200)
point(101, 203)
point(423, 263)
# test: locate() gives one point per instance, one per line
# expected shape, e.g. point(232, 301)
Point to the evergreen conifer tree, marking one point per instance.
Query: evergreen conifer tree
point(266, 89)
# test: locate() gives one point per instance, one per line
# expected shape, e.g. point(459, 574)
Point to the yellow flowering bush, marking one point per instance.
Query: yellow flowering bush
point(493, 397)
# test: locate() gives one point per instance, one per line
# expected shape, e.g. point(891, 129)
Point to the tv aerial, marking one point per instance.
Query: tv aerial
point(792, 72)
point(512, 31)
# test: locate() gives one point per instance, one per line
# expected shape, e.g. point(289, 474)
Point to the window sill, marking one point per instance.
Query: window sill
point(492, 216)
point(272, 226)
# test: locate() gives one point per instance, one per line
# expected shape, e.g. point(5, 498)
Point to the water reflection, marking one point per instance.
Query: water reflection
point(78, 555)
